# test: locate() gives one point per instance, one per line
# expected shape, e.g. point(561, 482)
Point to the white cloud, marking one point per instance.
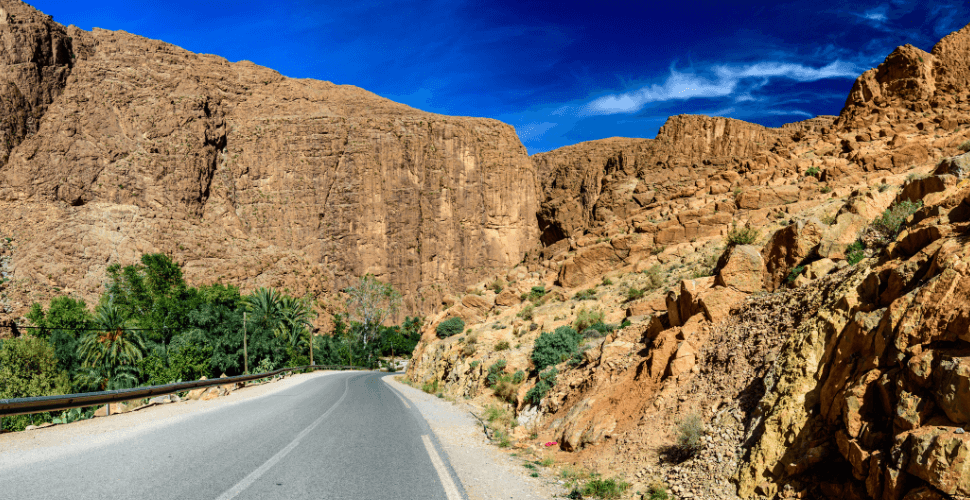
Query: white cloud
point(875, 15)
point(725, 81)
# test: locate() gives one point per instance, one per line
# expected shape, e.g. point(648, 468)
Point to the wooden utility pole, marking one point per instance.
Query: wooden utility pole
point(245, 352)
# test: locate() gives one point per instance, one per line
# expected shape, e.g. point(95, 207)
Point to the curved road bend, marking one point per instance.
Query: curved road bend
point(345, 435)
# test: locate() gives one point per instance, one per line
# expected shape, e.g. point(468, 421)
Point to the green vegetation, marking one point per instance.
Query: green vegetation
point(745, 235)
point(891, 220)
point(607, 281)
point(527, 312)
point(547, 380)
point(812, 172)
point(586, 318)
point(965, 146)
point(655, 277)
point(690, 430)
point(585, 295)
point(450, 326)
point(552, 348)
point(604, 488)
point(494, 371)
point(502, 345)
point(497, 285)
point(150, 327)
point(635, 293)
point(855, 252)
point(536, 293)
point(656, 492)
point(795, 273)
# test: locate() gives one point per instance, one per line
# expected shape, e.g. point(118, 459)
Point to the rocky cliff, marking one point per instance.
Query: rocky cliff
point(801, 290)
point(118, 145)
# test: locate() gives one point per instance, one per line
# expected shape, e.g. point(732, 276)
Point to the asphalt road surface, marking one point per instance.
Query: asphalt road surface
point(345, 435)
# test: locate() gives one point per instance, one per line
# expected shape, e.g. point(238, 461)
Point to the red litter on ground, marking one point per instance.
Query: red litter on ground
point(551, 443)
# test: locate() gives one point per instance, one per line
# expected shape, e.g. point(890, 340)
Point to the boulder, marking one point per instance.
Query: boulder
point(507, 298)
point(819, 268)
point(115, 409)
point(952, 390)
point(589, 263)
point(843, 233)
point(940, 456)
point(717, 304)
point(683, 359)
point(768, 197)
point(742, 268)
point(788, 247)
point(957, 166)
point(478, 303)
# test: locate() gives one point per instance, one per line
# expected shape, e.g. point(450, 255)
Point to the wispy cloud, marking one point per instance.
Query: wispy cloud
point(877, 15)
point(724, 81)
point(534, 131)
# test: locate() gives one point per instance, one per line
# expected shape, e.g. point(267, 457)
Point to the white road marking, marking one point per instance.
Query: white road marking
point(450, 489)
point(256, 474)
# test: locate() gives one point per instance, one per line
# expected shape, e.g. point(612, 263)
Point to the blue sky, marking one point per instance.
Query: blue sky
point(560, 72)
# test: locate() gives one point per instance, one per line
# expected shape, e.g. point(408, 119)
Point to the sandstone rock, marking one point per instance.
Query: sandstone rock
point(952, 388)
point(923, 493)
point(683, 360)
point(717, 304)
point(940, 457)
point(843, 233)
point(243, 175)
point(788, 247)
point(478, 303)
point(116, 408)
point(819, 268)
point(957, 166)
point(742, 268)
point(507, 298)
point(589, 263)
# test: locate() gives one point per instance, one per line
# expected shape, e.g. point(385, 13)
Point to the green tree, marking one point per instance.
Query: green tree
point(62, 324)
point(28, 368)
point(110, 354)
point(370, 302)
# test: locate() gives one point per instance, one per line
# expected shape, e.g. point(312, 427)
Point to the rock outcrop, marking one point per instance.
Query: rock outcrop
point(120, 145)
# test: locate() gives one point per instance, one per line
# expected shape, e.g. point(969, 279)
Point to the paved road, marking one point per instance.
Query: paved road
point(339, 436)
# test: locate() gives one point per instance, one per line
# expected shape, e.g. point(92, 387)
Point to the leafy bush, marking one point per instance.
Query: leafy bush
point(430, 387)
point(28, 368)
point(527, 312)
point(586, 318)
point(495, 371)
point(518, 377)
point(554, 347)
point(546, 382)
point(450, 326)
point(597, 330)
point(585, 295)
point(654, 277)
point(656, 492)
point(745, 235)
point(502, 345)
point(635, 294)
point(474, 364)
point(689, 432)
point(891, 221)
point(825, 189)
point(605, 488)
point(855, 252)
point(795, 273)
point(536, 293)
point(812, 172)
point(497, 285)
point(607, 281)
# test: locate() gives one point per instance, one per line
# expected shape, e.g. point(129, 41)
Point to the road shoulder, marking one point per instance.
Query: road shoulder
point(486, 472)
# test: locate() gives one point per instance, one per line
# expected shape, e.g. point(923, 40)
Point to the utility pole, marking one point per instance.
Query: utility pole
point(245, 352)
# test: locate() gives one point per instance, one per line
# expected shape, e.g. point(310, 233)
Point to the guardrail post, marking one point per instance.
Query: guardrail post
point(108, 406)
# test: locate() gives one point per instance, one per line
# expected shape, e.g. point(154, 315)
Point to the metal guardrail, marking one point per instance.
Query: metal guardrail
point(23, 406)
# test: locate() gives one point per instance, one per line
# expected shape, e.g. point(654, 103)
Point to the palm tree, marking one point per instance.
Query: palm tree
point(110, 353)
point(294, 324)
point(264, 304)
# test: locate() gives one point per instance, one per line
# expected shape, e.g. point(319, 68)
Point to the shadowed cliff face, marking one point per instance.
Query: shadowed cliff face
point(243, 175)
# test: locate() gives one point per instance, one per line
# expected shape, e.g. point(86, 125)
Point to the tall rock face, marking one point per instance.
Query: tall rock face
point(646, 185)
point(243, 175)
